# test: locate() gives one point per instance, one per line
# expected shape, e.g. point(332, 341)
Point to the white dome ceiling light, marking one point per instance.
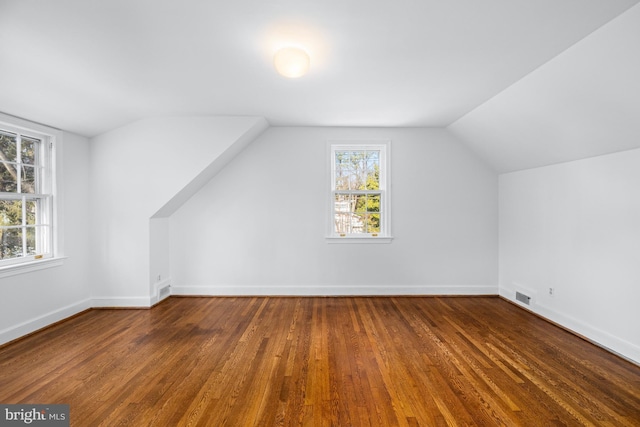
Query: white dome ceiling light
point(291, 62)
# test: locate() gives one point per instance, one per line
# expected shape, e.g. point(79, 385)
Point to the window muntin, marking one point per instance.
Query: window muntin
point(25, 196)
point(359, 197)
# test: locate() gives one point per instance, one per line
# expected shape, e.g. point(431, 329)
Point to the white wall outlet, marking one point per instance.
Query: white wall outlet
point(551, 291)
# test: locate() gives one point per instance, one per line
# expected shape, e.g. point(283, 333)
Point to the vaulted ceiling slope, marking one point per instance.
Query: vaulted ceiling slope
point(91, 66)
point(583, 103)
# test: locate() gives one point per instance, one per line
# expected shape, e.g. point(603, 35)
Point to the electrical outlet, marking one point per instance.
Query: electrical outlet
point(551, 291)
point(159, 277)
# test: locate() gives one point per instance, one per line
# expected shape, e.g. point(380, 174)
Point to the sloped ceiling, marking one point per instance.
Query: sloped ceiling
point(583, 103)
point(89, 66)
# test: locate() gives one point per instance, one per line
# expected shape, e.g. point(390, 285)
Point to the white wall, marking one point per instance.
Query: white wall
point(575, 227)
point(135, 171)
point(259, 226)
point(30, 301)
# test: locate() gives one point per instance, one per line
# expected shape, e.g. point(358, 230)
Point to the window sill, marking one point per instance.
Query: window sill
point(367, 240)
point(27, 267)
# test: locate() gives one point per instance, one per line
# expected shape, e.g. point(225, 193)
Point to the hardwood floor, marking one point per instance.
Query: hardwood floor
point(378, 361)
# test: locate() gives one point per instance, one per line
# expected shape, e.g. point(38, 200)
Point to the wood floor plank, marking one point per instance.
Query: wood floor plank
point(343, 361)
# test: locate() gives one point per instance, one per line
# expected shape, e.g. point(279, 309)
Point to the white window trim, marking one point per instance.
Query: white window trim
point(53, 137)
point(385, 235)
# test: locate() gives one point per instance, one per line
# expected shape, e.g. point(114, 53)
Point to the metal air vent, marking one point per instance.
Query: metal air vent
point(523, 298)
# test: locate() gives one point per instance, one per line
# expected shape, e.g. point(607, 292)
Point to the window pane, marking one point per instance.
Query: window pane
point(343, 202)
point(10, 212)
point(373, 203)
point(32, 206)
point(10, 243)
point(341, 174)
point(31, 241)
point(8, 144)
point(8, 178)
point(358, 171)
point(373, 170)
point(342, 223)
point(342, 183)
point(373, 223)
point(28, 181)
point(29, 150)
point(360, 203)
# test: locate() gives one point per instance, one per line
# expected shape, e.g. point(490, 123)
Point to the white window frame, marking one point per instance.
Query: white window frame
point(384, 235)
point(50, 254)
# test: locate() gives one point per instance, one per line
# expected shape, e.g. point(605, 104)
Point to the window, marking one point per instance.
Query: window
point(26, 196)
point(360, 192)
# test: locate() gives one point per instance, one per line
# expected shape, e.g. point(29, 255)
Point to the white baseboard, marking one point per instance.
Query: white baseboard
point(600, 338)
point(133, 302)
point(121, 302)
point(25, 328)
point(330, 290)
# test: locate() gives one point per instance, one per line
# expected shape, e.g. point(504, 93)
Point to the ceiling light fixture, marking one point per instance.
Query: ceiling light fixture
point(291, 62)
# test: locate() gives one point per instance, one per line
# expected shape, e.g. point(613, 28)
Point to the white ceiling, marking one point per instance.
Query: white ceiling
point(88, 66)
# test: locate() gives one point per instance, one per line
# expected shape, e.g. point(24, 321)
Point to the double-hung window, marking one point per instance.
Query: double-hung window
point(359, 192)
point(26, 196)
